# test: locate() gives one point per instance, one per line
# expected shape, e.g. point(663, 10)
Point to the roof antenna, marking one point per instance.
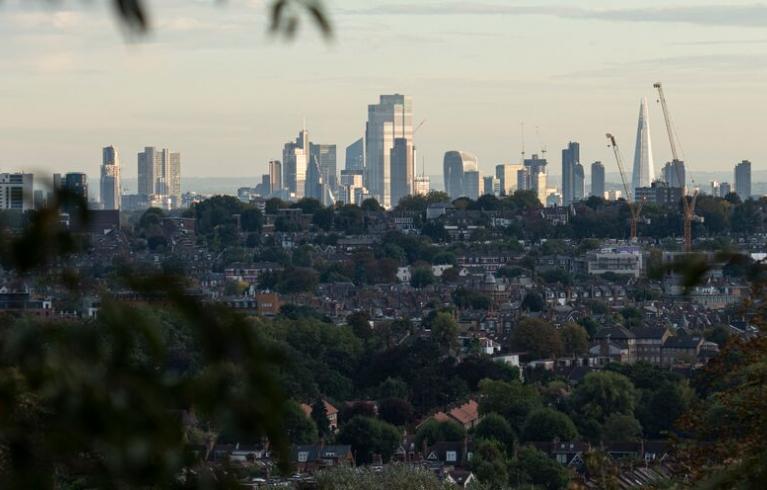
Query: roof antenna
point(522, 129)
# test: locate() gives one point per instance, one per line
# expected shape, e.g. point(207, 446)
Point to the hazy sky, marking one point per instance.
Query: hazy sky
point(211, 83)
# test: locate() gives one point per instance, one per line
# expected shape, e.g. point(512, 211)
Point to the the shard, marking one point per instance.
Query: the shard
point(644, 167)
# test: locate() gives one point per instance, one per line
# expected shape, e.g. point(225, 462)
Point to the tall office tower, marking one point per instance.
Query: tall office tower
point(402, 170)
point(674, 174)
point(355, 155)
point(16, 191)
point(314, 184)
point(539, 186)
point(571, 156)
point(597, 179)
point(523, 179)
point(421, 185)
point(644, 165)
point(724, 189)
point(743, 180)
point(506, 173)
point(579, 183)
point(455, 166)
point(351, 185)
point(275, 176)
point(714, 189)
point(266, 185)
point(295, 160)
point(491, 186)
point(537, 180)
point(388, 120)
point(326, 158)
point(109, 186)
point(471, 184)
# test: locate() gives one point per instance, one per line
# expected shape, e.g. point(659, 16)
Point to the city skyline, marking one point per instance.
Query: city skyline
point(247, 115)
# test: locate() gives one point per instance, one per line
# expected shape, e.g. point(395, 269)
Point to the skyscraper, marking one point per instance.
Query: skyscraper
point(570, 157)
point(743, 179)
point(471, 184)
point(295, 160)
point(675, 174)
point(644, 166)
point(76, 184)
point(579, 183)
point(326, 158)
point(421, 185)
point(597, 179)
point(506, 173)
point(275, 176)
point(109, 185)
point(491, 185)
point(159, 173)
point(16, 191)
point(724, 189)
point(455, 166)
point(314, 184)
point(391, 118)
point(402, 170)
point(355, 155)
point(537, 178)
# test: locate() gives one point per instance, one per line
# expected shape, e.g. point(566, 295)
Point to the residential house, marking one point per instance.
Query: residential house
point(311, 458)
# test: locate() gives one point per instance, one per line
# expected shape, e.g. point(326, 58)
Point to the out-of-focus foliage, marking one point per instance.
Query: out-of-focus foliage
point(393, 476)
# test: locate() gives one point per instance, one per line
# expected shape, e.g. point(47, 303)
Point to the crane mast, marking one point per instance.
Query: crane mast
point(635, 208)
point(688, 205)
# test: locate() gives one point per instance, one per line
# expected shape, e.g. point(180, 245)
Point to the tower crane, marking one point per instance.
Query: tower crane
point(635, 208)
point(688, 205)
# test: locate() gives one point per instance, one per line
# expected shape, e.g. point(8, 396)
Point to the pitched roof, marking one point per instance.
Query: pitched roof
point(466, 413)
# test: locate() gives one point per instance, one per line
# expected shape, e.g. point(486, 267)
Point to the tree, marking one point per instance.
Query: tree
point(533, 302)
point(602, 394)
point(535, 467)
point(444, 331)
point(422, 277)
point(536, 337)
point(514, 401)
point(395, 411)
point(622, 428)
point(299, 428)
point(391, 476)
point(432, 431)
point(495, 427)
point(546, 424)
point(369, 436)
point(575, 339)
point(320, 417)
point(488, 462)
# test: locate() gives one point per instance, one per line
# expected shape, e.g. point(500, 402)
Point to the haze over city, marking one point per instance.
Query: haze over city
point(208, 82)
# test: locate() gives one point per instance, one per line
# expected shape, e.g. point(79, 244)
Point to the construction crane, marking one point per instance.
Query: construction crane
point(688, 205)
point(635, 208)
point(419, 126)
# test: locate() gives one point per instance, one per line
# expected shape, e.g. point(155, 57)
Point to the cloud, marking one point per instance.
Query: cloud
point(743, 15)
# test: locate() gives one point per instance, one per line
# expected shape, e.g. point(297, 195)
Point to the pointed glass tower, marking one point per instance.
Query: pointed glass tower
point(644, 167)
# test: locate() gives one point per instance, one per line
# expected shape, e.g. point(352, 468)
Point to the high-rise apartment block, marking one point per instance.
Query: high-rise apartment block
point(390, 119)
point(571, 157)
point(16, 191)
point(597, 179)
point(109, 185)
point(675, 174)
point(275, 176)
point(743, 179)
point(159, 176)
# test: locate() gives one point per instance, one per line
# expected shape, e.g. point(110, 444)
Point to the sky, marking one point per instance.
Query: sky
point(211, 82)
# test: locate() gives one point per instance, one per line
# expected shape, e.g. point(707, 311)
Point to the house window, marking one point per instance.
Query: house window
point(562, 458)
point(451, 457)
point(303, 456)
